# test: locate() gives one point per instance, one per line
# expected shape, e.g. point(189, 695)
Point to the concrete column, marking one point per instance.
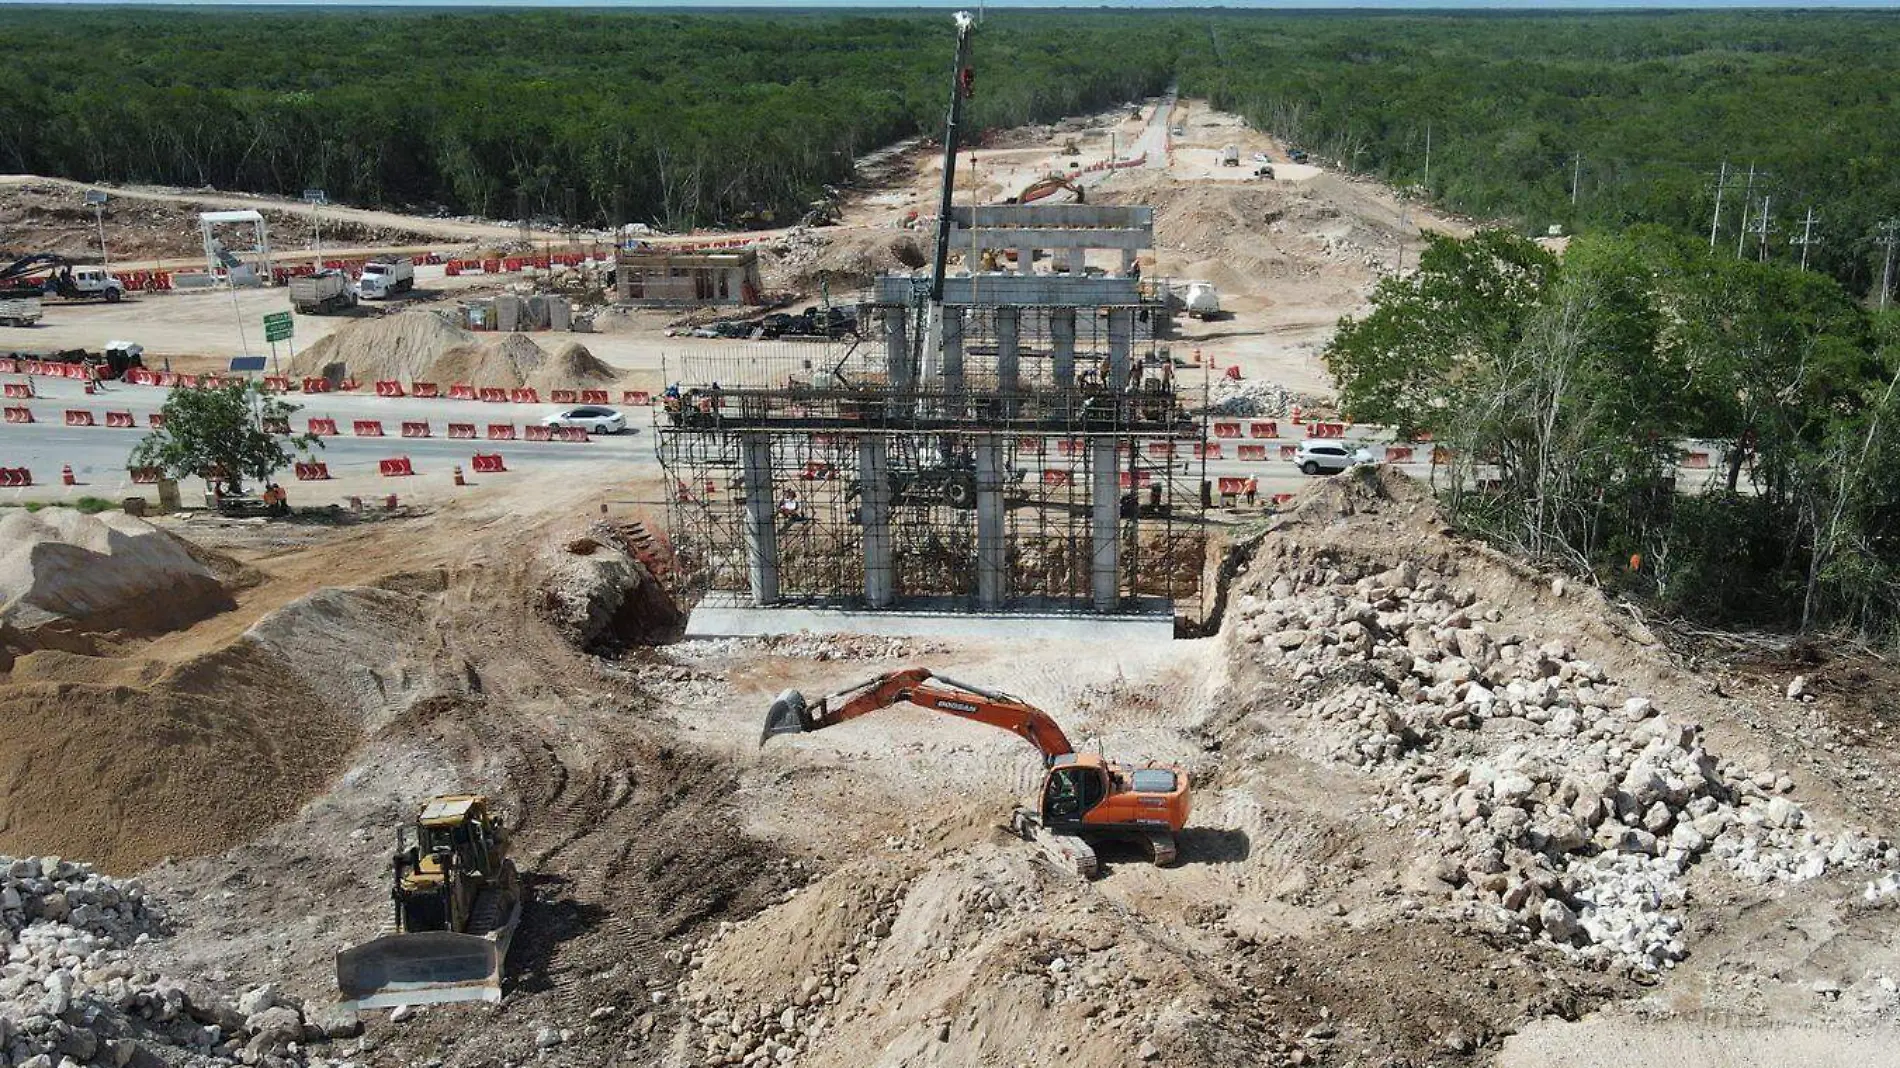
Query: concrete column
point(953, 351)
point(992, 558)
point(1062, 346)
point(761, 536)
point(897, 346)
point(1009, 356)
point(1121, 333)
point(1128, 262)
point(874, 513)
point(1025, 261)
point(1104, 525)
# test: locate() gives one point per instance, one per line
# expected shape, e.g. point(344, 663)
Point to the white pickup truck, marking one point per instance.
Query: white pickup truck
point(385, 277)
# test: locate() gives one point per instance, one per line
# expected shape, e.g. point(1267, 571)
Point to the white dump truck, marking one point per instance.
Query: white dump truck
point(321, 293)
point(385, 277)
point(17, 309)
point(1201, 301)
point(1230, 156)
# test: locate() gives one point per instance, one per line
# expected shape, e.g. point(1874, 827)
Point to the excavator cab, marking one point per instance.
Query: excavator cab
point(1071, 790)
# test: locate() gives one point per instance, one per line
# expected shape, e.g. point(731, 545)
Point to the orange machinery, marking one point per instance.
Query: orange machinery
point(1083, 797)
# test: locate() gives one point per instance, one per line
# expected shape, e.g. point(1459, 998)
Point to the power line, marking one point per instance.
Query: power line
point(1715, 220)
point(1576, 177)
point(1747, 194)
point(1889, 237)
point(1763, 225)
point(1807, 236)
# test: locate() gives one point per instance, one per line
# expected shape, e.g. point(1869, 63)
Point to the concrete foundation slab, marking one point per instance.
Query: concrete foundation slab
point(725, 615)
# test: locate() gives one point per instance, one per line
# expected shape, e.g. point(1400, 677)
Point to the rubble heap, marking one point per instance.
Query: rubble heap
point(1563, 805)
point(72, 990)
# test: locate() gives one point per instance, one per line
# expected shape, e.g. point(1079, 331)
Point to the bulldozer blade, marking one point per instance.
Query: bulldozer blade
point(421, 968)
point(786, 716)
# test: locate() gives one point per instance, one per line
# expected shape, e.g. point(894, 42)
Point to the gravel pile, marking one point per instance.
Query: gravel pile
point(1563, 805)
point(72, 990)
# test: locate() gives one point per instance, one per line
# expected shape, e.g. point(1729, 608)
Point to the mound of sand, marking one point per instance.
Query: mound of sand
point(421, 346)
point(66, 578)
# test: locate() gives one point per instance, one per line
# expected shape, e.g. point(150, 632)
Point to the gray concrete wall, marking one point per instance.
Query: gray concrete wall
point(761, 535)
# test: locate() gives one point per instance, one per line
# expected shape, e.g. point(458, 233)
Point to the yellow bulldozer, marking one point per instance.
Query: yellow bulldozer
point(457, 900)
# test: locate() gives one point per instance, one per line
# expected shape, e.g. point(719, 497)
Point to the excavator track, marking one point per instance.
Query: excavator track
point(1161, 845)
point(1070, 852)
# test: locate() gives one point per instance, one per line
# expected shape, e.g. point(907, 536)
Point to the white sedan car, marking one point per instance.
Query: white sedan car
point(1329, 457)
point(594, 420)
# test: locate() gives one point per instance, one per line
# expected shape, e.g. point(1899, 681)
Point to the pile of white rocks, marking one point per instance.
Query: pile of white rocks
point(1563, 805)
point(72, 991)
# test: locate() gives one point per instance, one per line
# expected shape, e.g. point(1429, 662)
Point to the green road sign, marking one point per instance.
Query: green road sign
point(278, 319)
point(277, 331)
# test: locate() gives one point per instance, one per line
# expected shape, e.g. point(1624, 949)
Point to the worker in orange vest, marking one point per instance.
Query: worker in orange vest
point(1253, 490)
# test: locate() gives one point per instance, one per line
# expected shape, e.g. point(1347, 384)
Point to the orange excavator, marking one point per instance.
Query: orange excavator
point(1083, 797)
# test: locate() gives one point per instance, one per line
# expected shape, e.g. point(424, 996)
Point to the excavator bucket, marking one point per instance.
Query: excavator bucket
point(786, 716)
point(421, 968)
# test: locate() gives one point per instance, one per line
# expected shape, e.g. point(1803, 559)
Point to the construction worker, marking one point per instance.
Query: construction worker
point(1253, 490)
point(788, 507)
point(276, 501)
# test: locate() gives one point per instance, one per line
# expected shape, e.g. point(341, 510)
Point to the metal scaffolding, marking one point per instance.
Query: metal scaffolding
point(1037, 457)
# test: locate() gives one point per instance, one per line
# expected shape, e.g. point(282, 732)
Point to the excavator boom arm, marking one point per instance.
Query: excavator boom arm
point(791, 714)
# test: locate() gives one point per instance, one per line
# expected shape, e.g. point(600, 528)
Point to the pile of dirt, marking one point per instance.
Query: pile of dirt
point(422, 346)
point(68, 579)
point(840, 257)
point(205, 754)
point(595, 590)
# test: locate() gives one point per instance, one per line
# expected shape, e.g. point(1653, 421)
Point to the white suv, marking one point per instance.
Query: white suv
point(1328, 457)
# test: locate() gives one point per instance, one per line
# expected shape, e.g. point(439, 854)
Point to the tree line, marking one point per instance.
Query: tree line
point(1591, 122)
point(1573, 396)
point(593, 119)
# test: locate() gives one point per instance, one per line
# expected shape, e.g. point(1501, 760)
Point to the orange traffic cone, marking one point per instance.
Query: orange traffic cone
point(458, 476)
point(66, 475)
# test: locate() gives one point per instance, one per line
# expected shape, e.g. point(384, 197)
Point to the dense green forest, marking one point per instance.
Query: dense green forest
point(1640, 110)
point(676, 118)
point(594, 118)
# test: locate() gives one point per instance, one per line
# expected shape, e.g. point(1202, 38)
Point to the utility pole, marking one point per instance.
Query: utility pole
point(1576, 178)
point(1428, 159)
point(97, 199)
point(1748, 193)
point(1762, 226)
point(1715, 220)
point(1889, 236)
point(1807, 236)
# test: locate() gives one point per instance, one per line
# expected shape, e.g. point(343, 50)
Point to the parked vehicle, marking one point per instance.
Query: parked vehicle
point(1202, 301)
point(19, 310)
point(1230, 156)
point(321, 293)
point(1297, 155)
point(593, 419)
point(1329, 457)
point(63, 279)
point(385, 277)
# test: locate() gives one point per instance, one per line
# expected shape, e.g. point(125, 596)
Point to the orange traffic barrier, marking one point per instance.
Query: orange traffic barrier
point(571, 433)
point(638, 398)
point(1259, 429)
point(121, 420)
point(21, 390)
point(156, 420)
point(348, 385)
point(1129, 480)
point(524, 396)
point(501, 432)
point(394, 467)
point(1208, 450)
point(487, 463)
point(1398, 454)
point(1056, 476)
point(1325, 430)
point(79, 417)
point(461, 391)
point(1289, 452)
point(1161, 450)
point(323, 427)
point(312, 472)
point(493, 395)
point(425, 390)
point(389, 388)
point(593, 396)
point(564, 396)
point(19, 414)
point(415, 430)
point(277, 426)
point(15, 477)
point(1226, 430)
point(316, 385)
point(537, 433)
point(277, 383)
point(1231, 487)
point(368, 428)
point(1282, 498)
point(1253, 452)
point(461, 430)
